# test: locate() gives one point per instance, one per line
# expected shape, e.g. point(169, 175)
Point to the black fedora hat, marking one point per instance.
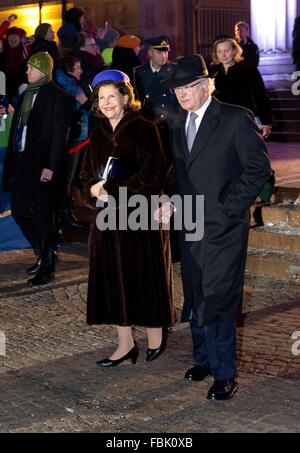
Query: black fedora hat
point(187, 70)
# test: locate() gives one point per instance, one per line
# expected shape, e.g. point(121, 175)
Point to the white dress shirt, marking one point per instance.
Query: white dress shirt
point(200, 114)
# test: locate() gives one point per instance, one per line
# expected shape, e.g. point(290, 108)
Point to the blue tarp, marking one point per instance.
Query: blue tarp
point(11, 236)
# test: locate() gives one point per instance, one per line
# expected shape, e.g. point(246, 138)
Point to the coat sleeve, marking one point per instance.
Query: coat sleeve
point(151, 165)
point(260, 97)
point(253, 156)
point(88, 178)
point(61, 120)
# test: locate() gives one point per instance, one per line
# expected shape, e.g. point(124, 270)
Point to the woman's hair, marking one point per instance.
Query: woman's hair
point(124, 88)
point(69, 62)
point(238, 51)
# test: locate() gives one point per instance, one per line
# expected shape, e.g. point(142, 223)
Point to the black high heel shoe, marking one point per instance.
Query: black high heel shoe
point(152, 354)
point(131, 355)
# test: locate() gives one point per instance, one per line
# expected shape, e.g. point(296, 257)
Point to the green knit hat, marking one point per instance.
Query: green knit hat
point(42, 61)
point(41, 30)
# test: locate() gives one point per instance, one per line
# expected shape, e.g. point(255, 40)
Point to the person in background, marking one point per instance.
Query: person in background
point(6, 24)
point(158, 102)
point(44, 42)
point(74, 23)
point(90, 58)
point(68, 77)
point(219, 155)
point(110, 40)
point(14, 60)
point(250, 49)
point(125, 55)
point(34, 162)
point(237, 83)
point(130, 276)
point(296, 44)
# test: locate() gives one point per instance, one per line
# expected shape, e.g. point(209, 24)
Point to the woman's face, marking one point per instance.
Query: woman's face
point(14, 41)
point(225, 52)
point(50, 34)
point(111, 102)
point(77, 71)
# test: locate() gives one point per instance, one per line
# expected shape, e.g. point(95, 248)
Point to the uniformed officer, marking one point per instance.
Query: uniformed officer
point(158, 103)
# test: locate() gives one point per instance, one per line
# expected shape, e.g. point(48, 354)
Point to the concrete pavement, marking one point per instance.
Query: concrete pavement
point(49, 381)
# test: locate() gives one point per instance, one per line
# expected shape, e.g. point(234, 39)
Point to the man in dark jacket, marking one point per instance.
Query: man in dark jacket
point(158, 102)
point(219, 154)
point(34, 161)
point(250, 49)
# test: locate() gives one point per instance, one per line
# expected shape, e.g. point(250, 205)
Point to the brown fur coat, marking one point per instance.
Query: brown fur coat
point(130, 278)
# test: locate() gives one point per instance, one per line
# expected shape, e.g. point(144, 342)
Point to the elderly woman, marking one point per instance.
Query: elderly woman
point(237, 83)
point(130, 278)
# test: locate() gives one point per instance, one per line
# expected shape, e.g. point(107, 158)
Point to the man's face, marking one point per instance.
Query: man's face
point(192, 96)
point(241, 33)
point(34, 74)
point(158, 57)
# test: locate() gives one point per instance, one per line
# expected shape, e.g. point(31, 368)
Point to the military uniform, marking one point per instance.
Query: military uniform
point(158, 102)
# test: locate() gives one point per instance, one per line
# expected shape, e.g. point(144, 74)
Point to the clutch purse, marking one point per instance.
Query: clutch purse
point(117, 169)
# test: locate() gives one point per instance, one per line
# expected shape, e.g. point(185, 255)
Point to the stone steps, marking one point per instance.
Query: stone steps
point(275, 238)
point(286, 113)
point(274, 264)
point(274, 248)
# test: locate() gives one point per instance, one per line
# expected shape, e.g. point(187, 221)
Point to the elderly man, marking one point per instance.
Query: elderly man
point(34, 162)
point(218, 153)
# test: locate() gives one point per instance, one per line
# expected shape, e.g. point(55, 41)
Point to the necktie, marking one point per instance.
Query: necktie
point(191, 130)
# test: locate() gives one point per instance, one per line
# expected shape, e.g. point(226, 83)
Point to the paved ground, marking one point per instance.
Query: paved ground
point(49, 381)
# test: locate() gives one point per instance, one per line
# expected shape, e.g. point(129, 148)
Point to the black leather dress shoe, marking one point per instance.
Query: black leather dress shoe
point(198, 373)
point(33, 269)
point(222, 390)
point(131, 355)
point(152, 354)
point(42, 277)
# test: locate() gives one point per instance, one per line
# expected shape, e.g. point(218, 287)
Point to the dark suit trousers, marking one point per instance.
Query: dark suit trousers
point(35, 218)
point(215, 345)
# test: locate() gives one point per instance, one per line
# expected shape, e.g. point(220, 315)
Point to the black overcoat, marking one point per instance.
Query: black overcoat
point(45, 146)
point(228, 164)
point(130, 276)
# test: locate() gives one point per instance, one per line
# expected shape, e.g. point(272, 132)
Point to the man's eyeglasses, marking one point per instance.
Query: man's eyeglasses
point(188, 88)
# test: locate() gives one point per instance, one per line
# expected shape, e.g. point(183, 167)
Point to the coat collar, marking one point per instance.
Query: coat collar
point(127, 119)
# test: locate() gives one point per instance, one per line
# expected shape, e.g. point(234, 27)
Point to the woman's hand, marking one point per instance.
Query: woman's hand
point(98, 191)
point(164, 213)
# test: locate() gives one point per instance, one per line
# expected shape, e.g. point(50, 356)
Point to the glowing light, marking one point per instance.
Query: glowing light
point(28, 16)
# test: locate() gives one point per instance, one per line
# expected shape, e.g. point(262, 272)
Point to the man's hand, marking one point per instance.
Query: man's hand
point(266, 130)
point(98, 191)
point(164, 213)
point(46, 175)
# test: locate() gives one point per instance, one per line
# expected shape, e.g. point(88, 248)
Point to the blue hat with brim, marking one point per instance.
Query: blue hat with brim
point(110, 75)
